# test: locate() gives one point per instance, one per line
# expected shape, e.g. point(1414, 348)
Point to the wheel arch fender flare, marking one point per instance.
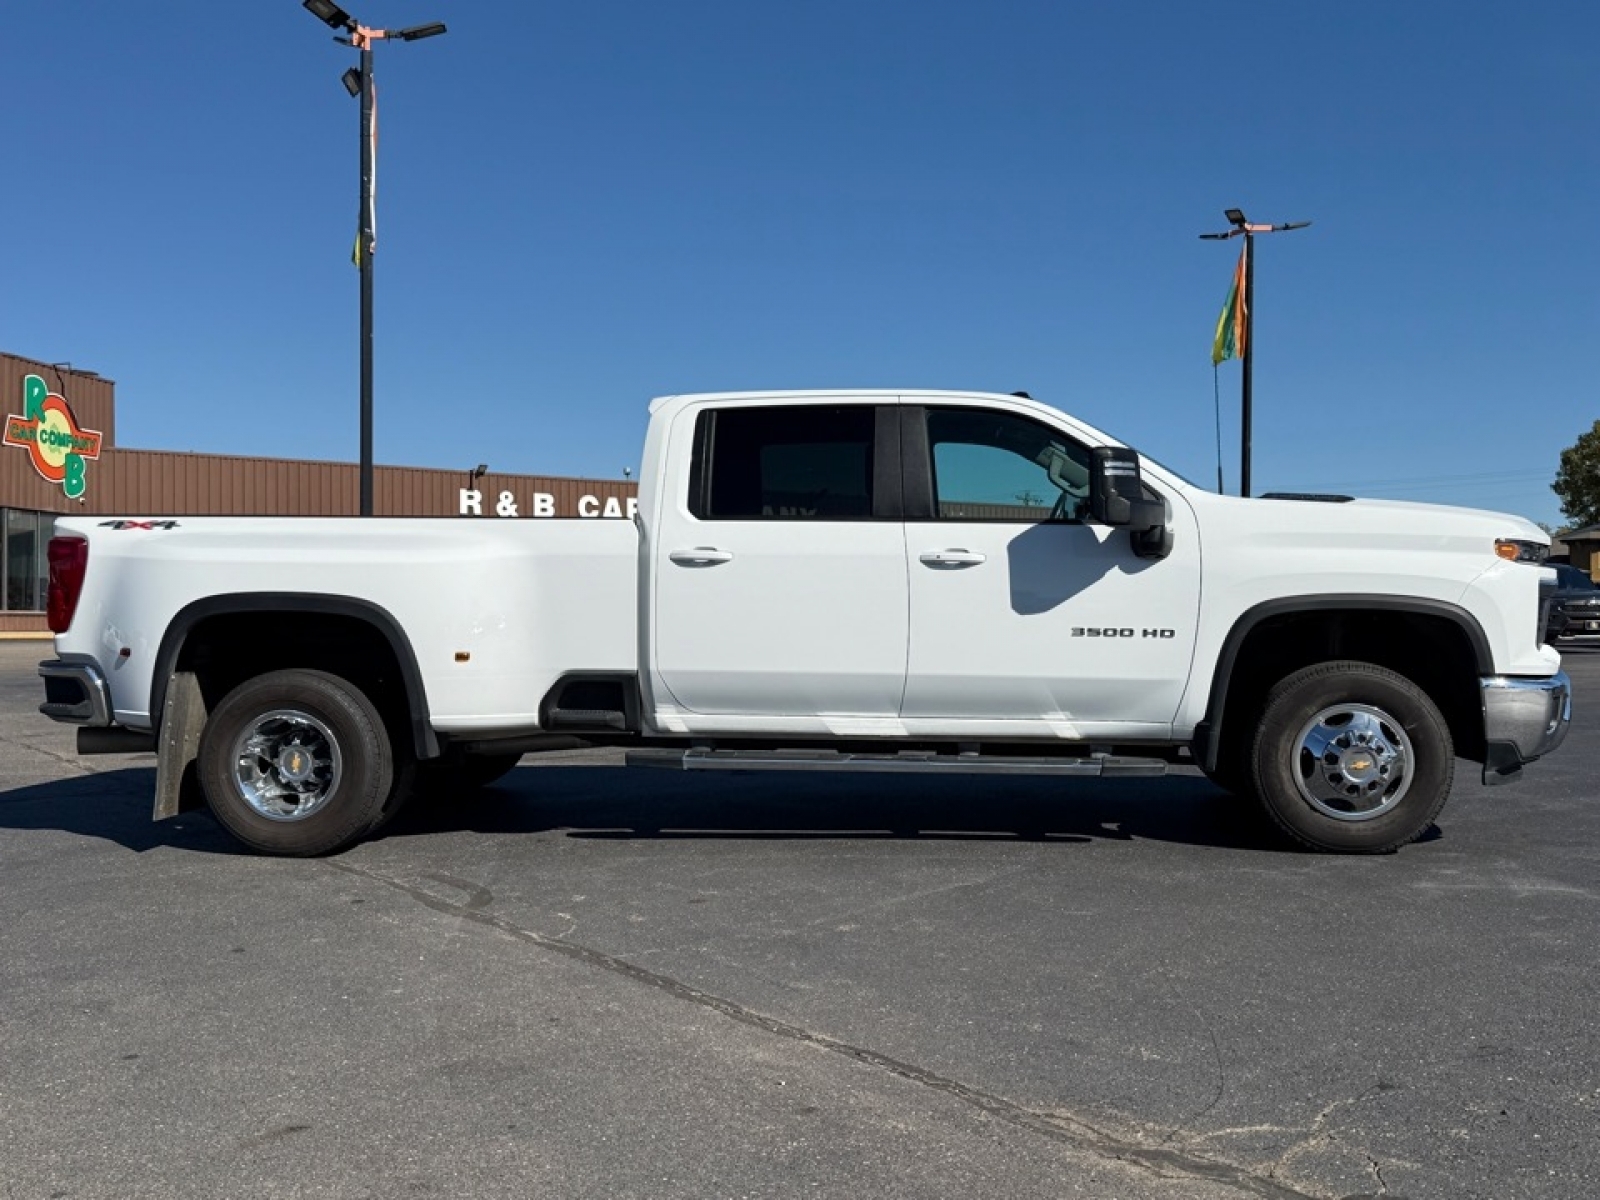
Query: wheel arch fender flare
point(177, 633)
point(1208, 734)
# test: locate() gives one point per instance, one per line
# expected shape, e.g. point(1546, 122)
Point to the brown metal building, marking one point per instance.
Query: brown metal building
point(53, 416)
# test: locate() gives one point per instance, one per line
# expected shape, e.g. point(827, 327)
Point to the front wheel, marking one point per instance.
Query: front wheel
point(296, 763)
point(1352, 757)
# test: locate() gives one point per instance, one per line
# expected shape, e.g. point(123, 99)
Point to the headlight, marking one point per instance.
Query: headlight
point(1513, 550)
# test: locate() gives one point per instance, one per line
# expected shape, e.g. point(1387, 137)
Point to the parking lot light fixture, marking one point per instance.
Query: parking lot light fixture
point(358, 82)
point(330, 13)
point(417, 32)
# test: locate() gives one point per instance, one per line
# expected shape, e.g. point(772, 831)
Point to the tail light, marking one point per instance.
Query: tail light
point(69, 559)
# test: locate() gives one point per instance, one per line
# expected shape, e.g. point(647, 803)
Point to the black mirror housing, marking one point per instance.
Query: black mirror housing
point(1116, 498)
point(1116, 490)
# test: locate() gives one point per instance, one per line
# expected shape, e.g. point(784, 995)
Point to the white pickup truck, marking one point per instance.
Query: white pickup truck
point(850, 581)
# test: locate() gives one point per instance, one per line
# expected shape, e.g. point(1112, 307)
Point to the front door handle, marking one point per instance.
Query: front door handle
point(953, 558)
point(701, 556)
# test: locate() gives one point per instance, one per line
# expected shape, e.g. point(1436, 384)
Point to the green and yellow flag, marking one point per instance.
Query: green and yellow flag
point(1229, 339)
point(368, 215)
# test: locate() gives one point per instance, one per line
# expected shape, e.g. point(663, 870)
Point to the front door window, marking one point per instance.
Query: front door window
point(995, 466)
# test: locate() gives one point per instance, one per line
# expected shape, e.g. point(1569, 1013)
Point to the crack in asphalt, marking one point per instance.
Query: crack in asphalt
point(1377, 1173)
point(65, 760)
point(1216, 1055)
point(74, 763)
point(1317, 1134)
point(1160, 1161)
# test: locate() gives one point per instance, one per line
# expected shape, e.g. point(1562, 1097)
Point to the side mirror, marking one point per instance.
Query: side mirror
point(1116, 491)
point(1116, 498)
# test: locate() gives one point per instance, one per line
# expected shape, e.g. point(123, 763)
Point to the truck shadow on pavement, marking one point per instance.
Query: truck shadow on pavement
point(617, 804)
point(114, 805)
point(606, 803)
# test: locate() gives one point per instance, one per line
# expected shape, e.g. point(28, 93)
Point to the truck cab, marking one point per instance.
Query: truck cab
point(905, 566)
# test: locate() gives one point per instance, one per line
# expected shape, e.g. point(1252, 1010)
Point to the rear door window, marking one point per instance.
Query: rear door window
point(784, 463)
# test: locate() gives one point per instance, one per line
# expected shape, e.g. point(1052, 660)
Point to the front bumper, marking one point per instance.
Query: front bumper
point(1523, 719)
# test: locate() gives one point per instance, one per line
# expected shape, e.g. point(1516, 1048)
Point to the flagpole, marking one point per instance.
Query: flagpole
point(365, 247)
point(1245, 412)
point(1247, 230)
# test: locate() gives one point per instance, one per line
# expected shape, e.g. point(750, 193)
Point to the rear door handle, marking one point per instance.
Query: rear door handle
point(953, 558)
point(701, 556)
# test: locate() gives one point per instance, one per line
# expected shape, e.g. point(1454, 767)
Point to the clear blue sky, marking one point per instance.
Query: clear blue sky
point(582, 206)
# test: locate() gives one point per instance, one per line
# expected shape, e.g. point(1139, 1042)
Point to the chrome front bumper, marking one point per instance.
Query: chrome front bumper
point(75, 692)
point(1523, 719)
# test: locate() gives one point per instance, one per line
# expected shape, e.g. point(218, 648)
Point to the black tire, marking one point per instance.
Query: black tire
point(1351, 757)
point(464, 772)
point(403, 789)
point(261, 789)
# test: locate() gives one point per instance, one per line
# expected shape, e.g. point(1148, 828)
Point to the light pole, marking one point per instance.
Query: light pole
point(477, 473)
point(358, 82)
point(1243, 227)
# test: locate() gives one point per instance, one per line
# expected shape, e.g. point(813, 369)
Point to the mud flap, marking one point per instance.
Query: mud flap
point(182, 718)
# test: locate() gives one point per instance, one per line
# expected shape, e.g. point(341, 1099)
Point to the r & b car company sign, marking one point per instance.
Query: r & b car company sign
point(475, 503)
point(49, 433)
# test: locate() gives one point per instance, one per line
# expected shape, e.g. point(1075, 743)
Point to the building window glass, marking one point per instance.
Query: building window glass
point(47, 528)
point(21, 561)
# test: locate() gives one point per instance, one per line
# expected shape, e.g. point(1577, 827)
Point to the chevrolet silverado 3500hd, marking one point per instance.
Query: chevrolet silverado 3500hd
point(853, 581)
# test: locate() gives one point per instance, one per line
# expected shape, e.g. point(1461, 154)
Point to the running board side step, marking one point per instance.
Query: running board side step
point(914, 762)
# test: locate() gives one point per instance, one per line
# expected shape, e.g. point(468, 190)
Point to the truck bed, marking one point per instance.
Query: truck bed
point(495, 610)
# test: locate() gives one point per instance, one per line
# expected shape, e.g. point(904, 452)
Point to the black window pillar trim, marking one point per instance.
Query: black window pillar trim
point(887, 454)
point(916, 464)
point(423, 737)
point(705, 425)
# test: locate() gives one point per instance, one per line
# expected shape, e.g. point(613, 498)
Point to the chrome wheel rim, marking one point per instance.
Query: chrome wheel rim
point(287, 765)
point(1354, 762)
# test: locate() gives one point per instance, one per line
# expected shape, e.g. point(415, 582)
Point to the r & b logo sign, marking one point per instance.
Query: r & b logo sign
point(49, 433)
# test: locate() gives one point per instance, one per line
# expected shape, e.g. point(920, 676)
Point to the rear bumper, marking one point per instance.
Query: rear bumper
point(75, 693)
point(1523, 719)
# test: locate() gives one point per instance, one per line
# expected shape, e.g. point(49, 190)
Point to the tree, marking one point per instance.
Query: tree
point(1578, 479)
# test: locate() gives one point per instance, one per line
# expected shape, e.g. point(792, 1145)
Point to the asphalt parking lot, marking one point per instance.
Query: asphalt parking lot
point(595, 982)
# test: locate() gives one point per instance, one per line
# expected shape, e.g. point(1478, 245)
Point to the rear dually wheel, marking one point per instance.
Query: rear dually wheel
point(296, 763)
